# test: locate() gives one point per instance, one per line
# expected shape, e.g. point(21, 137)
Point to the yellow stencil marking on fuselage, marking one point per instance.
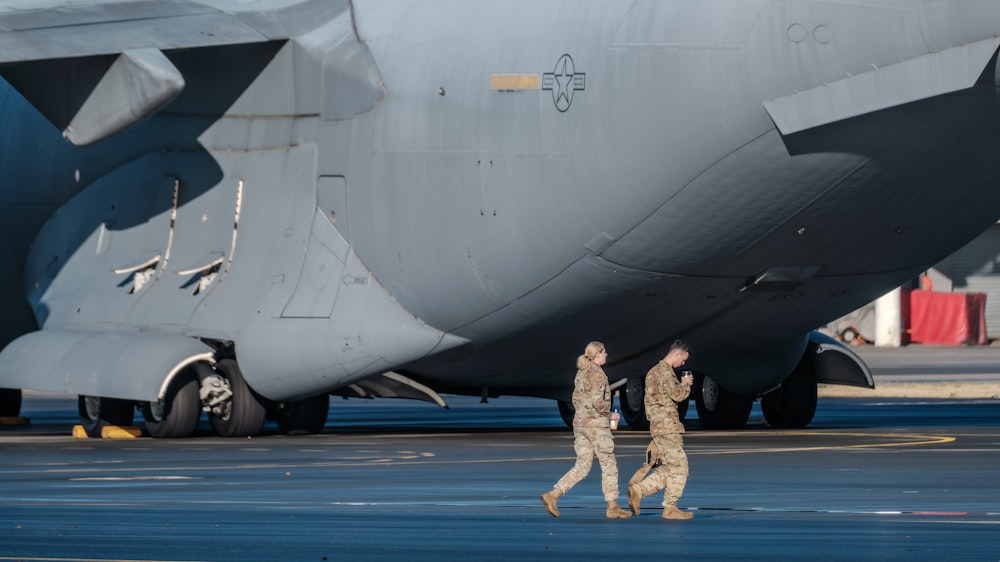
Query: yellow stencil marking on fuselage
point(512, 82)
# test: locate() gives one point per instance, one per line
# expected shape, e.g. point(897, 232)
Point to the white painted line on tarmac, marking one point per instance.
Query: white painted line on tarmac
point(132, 479)
point(918, 513)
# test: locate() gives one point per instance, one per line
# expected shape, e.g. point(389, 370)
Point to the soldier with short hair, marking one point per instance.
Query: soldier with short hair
point(666, 452)
point(592, 400)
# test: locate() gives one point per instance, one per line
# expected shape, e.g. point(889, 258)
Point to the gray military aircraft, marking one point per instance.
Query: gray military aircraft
point(245, 207)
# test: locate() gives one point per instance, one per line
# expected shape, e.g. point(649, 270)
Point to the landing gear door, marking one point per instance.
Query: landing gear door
point(834, 363)
point(316, 292)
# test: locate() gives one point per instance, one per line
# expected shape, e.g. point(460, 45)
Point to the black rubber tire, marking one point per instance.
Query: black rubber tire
point(719, 408)
point(631, 397)
point(306, 416)
point(97, 413)
point(793, 404)
point(246, 412)
point(177, 415)
point(10, 402)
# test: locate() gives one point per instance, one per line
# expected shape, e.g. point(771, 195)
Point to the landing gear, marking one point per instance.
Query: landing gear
point(793, 404)
point(177, 414)
point(719, 408)
point(240, 413)
point(97, 412)
point(10, 402)
point(303, 416)
point(631, 398)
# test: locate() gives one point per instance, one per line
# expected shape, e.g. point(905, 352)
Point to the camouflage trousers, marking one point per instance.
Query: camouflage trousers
point(591, 442)
point(670, 471)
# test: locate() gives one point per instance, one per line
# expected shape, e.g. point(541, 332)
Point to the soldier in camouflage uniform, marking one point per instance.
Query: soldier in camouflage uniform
point(592, 400)
point(666, 452)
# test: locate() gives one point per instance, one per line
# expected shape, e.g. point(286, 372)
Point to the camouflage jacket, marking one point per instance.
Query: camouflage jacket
point(663, 392)
point(591, 398)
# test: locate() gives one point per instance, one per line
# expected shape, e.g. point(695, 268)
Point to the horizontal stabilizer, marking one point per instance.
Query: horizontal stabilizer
point(908, 81)
point(136, 366)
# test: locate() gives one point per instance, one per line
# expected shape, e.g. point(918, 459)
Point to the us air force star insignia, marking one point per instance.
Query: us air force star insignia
point(563, 82)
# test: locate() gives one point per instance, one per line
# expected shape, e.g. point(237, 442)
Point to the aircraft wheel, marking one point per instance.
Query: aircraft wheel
point(719, 408)
point(793, 404)
point(10, 402)
point(631, 398)
point(566, 412)
point(243, 414)
point(303, 416)
point(96, 413)
point(177, 414)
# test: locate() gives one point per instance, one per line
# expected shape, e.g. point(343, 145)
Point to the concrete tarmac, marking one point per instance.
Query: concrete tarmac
point(926, 372)
point(878, 479)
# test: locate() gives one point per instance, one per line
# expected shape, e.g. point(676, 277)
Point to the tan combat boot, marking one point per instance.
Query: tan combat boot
point(675, 514)
point(549, 501)
point(615, 512)
point(634, 497)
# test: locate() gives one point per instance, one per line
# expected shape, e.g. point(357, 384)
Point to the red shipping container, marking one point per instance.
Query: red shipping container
point(946, 318)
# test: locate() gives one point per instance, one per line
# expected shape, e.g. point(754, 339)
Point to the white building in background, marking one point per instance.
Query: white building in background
point(976, 269)
point(973, 269)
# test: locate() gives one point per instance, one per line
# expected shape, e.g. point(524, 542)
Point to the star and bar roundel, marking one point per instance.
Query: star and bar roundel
point(564, 81)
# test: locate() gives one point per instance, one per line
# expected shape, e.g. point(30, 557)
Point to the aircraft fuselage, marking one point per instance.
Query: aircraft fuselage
point(476, 190)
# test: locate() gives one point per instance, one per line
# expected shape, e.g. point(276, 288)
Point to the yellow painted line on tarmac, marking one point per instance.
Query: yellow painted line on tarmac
point(897, 440)
point(976, 434)
point(913, 441)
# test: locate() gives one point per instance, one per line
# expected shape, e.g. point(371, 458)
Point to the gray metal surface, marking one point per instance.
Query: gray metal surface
point(107, 365)
point(468, 192)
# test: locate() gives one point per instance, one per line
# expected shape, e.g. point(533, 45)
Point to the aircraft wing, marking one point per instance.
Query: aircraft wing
point(57, 29)
point(96, 68)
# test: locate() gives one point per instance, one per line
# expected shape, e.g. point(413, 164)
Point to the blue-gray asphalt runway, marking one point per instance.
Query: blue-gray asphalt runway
point(399, 480)
point(917, 363)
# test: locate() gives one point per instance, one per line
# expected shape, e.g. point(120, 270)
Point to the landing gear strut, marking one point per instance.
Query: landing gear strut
point(241, 414)
point(303, 416)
